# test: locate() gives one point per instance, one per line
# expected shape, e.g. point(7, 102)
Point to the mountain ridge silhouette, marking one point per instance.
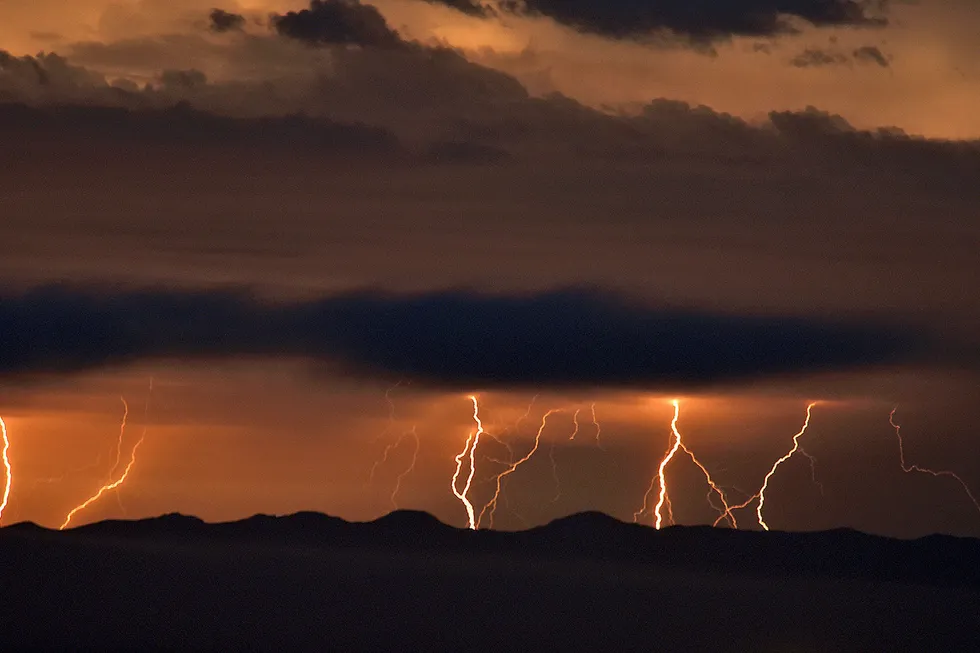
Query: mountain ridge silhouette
point(940, 560)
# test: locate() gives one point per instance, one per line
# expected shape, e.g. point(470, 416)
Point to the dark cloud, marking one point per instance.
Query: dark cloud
point(468, 7)
point(222, 21)
point(700, 20)
point(867, 54)
point(27, 73)
point(454, 111)
point(182, 123)
point(454, 339)
point(871, 54)
point(813, 57)
point(337, 22)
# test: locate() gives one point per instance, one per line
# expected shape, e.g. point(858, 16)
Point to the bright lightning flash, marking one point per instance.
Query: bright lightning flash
point(761, 494)
point(915, 468)
point(6, 466)
point(661, 476)
point(660, 480)
point(105, 488)
point(472, 441)
point(110, 484)
point(765, 483)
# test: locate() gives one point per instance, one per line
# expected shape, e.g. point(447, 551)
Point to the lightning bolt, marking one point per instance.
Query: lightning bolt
point(516, 428)
point(761, 494)
point(787, 456)
point(660, 480)
point(646, 501)
point(474, 440)
point(411, 468)
point(725, 510)
point(108, 486)
point(413, 434)
point(575, 422)
point(119, 442)
point(122, 432)
point(504, 444)
point(813, 468)
point(98, 460)
point(527, 413)
point(384, 457)
point(105, 488)
point(598, 429)
point(491, 506)
point(915, 468)
point(663, 465)
point(6, 465)
point(391, 416)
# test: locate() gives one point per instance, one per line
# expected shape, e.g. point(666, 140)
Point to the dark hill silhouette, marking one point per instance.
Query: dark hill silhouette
point(933, 560)
point(408, 582)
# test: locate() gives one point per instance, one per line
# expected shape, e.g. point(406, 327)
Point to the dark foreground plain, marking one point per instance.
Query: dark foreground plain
point(407, 582)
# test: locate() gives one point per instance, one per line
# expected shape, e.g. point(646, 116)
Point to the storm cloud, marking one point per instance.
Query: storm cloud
point(452, 339)
point(700, 20)
point(468, 7)
point(339, 22)
point(814, 57)
point(225, 21)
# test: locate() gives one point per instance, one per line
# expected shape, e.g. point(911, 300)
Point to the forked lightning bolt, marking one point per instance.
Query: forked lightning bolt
point(8, 473)
point(105, 488)
point(411, 468)
point(915, 468)
point(765, 483)
point(472, 442)
point(112, 485)
point(663, 499)
point(761, 494)
point(661, 471)
point(491, 506)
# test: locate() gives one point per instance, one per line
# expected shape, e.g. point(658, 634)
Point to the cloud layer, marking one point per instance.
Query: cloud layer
point(452, 339)
point(700, 20)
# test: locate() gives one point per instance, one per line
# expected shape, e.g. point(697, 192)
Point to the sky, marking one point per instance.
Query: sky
point(286, 234)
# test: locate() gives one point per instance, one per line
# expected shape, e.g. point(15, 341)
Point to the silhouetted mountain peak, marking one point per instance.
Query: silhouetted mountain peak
point(25, 527)
point(168, 524)
point(413, 520)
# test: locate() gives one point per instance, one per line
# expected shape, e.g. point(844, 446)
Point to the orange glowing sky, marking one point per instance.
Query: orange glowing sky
point(302, 446)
